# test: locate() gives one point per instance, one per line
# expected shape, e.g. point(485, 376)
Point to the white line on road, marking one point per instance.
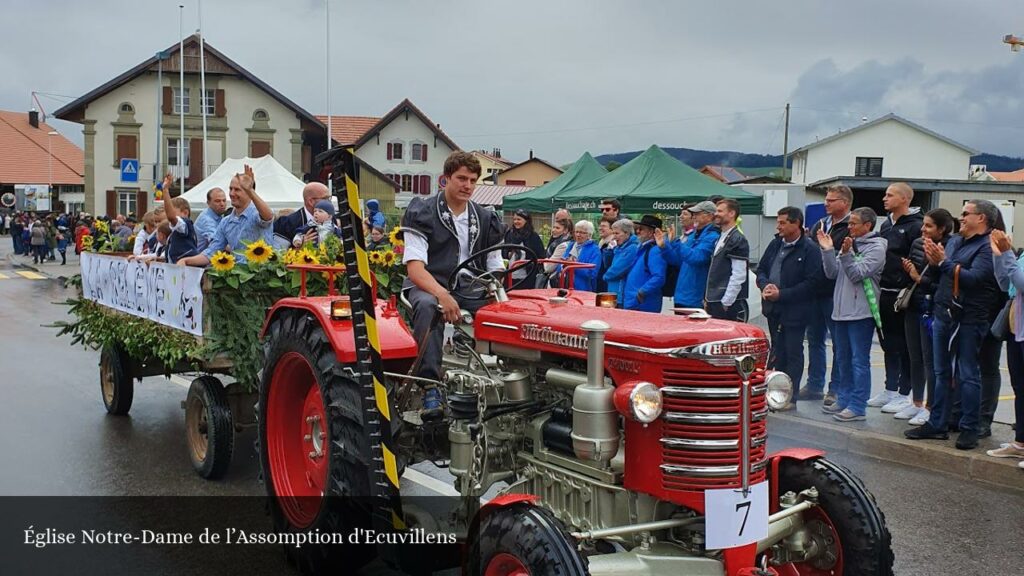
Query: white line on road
point(180, 381)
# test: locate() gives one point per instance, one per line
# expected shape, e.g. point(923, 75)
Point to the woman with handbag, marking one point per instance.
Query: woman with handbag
point(1010, 275)
point(938, 225)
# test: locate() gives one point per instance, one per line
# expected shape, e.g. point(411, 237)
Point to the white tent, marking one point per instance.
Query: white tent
point(278, 187)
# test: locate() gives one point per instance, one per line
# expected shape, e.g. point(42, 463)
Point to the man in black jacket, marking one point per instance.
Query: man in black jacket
point(966, 295)
point(838, 202)
point(788, 275)
point(287, 226)
point(900, 229)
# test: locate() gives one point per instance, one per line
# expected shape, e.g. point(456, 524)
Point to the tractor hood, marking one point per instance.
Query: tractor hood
point(534, 319)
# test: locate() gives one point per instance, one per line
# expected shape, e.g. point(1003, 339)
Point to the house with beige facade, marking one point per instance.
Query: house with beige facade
point(491, 163)
point(135, 116)
point(531, 172)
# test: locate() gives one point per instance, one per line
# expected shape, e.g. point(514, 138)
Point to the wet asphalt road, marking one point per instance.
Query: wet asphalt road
point(56, 439)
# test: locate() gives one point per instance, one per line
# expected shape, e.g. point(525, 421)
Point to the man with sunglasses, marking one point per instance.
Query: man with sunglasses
point(610, 208)
point(960, 322)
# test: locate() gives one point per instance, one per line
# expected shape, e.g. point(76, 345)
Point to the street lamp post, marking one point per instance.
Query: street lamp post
point(49, 153)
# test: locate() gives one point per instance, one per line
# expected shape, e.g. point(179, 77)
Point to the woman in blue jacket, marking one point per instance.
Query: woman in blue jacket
point(623, 259)
point(582, 248)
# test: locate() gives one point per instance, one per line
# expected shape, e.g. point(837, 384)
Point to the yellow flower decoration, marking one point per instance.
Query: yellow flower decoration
point(258, 252)
point(87, 240)
point(376, 257)
point(102, 227)
point(393, 237)
point(223, 261)
point(390, 258)
point(307, 257)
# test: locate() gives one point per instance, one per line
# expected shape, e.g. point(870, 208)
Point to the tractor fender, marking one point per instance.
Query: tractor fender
point(503, 501)
point(798, 454)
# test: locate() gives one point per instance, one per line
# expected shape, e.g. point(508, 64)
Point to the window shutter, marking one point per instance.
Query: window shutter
point(141, 202)
point(112, 203)
point(218, 103)
point(416, 185)
point(424, 183)
point(167, 105)
point(423, 149)
point(259, 148)
point(195, 160)
point(389, 151)
point(126, 147)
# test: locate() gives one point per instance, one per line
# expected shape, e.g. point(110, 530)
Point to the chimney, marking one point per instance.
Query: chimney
point(33, 118)
point(531, 153)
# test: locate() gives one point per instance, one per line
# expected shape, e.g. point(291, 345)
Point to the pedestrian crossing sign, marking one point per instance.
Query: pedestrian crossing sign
point(129, 170)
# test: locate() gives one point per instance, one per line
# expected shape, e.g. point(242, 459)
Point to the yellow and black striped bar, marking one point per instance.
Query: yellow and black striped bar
point(376, 399)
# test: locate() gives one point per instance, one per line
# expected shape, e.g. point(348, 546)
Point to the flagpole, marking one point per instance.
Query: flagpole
point(202, 87)
point(327, 19)
point(181, 94)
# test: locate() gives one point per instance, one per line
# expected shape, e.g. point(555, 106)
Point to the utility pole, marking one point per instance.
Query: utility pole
point(785, 144)
point(181, 98)
point(202, 88)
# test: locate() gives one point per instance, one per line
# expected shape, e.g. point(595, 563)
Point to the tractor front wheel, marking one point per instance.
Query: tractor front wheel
point(314, 454)
point(847, 523)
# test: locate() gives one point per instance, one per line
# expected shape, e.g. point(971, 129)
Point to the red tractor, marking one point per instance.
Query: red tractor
point(623, 442)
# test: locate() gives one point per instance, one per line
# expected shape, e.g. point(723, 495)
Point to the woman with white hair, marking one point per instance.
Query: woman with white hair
point(583, 248)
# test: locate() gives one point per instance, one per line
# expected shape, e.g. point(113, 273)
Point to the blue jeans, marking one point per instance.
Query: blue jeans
point(821, 321)
point(968, 372)
point(852, 343)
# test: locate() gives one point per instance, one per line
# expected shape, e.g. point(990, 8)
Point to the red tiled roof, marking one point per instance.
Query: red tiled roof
point(348, 129)
point(1017, 176)
point(24, 158)
point(491, 195)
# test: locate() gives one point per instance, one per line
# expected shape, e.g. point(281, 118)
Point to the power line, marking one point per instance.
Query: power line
point(615, 126)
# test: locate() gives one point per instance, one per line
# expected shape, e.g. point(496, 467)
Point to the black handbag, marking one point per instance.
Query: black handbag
point(1001, 325)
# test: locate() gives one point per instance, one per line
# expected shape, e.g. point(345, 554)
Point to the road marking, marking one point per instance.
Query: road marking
point(429, 482)
point(3, 276)
point(180, 381)
point(1010, 397)
point(30, 275)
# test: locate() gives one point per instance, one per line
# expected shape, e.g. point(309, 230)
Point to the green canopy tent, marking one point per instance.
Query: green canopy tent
point(653, 182)
point(584, 171)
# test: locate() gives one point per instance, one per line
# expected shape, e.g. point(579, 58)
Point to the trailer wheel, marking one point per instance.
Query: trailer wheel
point(116, 380)
point(209, 427)
point(314, 453)
point(524, 540)
point(847, 522)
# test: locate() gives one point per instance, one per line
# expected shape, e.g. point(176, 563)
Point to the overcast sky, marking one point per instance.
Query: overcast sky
point(567, 76)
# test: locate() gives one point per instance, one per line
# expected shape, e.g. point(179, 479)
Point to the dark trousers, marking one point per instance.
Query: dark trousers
point(788, 350)
point(894, 345)
point(991, 380)
point(1015, 363)
point(430, 334)
point(966, 350)
point(919, 346)
point(820, 325)
point(737, 312)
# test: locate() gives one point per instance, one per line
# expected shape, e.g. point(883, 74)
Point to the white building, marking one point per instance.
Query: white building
point(135, 116)
point(888, 147)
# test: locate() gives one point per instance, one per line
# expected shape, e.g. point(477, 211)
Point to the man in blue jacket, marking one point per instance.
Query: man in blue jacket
point(643, 285)
point(788, 275)
point(692, 255)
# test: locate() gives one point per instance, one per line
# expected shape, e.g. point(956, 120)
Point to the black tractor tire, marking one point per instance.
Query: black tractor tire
point(865, 540)
point(116, 386)
point(209, 427)
point(345, 504)
point(530, 536)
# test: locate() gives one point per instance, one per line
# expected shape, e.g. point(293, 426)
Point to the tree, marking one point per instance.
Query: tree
point(612, 165)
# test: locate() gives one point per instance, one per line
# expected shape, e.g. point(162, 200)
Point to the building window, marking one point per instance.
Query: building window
point(419, 152)
point(181, 104)
point(515, 182)
point(868, 167)
point(394, 150)
point(406, 183)
point(260, 115)
point(210, 102)
point(127, 108)
point(172, 151)
point(127, 201)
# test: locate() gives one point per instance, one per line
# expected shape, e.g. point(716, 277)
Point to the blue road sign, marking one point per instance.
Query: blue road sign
point(129, 170)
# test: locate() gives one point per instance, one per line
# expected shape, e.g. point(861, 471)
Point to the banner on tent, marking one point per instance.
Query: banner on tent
point(165, 293)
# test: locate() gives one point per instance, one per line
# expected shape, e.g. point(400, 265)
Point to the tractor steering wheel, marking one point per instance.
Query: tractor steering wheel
point(478, 276)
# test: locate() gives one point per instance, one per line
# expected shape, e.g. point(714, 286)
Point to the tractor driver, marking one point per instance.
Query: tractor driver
point(440, 232)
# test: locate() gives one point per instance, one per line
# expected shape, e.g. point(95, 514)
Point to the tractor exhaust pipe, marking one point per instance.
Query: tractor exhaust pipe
point(595, 424)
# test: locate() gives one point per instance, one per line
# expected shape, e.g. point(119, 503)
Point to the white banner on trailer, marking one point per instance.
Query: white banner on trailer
point(165, 293)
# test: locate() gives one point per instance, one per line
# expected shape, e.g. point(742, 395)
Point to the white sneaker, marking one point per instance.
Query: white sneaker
point(906, 413)
point(922, 416)
point(882, 398)
point(897, 404)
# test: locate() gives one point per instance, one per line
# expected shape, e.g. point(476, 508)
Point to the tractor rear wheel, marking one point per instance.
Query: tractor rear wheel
point(208, 427)
point(847, 522)
point(524, 540)
point(116, 380)
point(314, 454)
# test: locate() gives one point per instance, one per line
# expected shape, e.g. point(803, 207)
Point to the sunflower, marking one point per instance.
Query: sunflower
point(102, 227)
point(223, 261)
point(306, 257)
point(393, 236)
point(258, 252)
point(390, 258)
point(376, 257)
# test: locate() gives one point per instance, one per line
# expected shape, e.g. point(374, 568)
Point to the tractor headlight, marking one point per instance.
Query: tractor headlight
point(645, 402)
point(779, 389)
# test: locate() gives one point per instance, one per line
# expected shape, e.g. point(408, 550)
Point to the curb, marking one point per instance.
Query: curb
point(968, 464)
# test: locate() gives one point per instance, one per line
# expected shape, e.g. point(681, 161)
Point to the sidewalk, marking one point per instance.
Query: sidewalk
point(49, 268)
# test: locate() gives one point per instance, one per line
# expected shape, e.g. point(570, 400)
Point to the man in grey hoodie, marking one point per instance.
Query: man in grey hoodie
point(856, 270)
